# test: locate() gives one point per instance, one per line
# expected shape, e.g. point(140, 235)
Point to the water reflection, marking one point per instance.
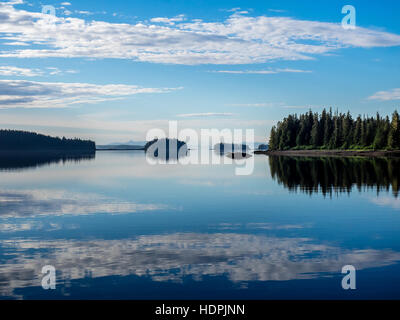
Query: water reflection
point(201, 226)
point(31, 203)
point(21, 160)
point(171, 257)
point(335, 175)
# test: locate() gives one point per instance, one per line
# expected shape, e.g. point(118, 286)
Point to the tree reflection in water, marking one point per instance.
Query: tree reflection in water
point(329, 175)
point(16, 161)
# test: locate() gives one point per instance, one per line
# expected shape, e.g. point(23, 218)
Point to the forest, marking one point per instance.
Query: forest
point(336, 131)
point(14, 140)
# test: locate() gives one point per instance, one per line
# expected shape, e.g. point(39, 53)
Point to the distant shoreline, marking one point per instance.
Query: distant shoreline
point(332, 153)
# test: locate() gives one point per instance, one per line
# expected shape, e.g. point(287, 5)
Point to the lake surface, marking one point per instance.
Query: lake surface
point(116, 227)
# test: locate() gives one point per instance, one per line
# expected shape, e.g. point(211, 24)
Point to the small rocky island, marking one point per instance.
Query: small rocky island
point(166, 149)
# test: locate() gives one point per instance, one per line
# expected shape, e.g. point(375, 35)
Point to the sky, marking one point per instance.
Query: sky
point(111, 71)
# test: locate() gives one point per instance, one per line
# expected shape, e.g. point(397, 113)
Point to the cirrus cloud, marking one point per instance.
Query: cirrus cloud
point(33, 94)
point(269, 71)
point(19, 72)
point(236, 40)
point(389, 95)
point(205, 115)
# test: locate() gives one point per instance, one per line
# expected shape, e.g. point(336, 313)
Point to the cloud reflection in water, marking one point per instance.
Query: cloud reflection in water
point(27, 203)
point(239, 257)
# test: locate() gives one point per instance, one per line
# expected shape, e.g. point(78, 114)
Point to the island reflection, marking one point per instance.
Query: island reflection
point(328, 175)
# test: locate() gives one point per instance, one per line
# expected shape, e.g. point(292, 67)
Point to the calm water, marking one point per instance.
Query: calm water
point(116, 227)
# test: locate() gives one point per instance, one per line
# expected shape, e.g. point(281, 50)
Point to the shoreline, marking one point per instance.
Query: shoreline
point(332, 153)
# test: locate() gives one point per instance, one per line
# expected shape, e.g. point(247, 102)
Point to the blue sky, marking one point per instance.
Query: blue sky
point(112, 70)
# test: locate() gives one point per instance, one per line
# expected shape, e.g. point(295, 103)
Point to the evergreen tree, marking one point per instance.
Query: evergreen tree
point(379, 141)
point(327, 128)
point(363, 137)
point(357, 132)
point(336, 139)
point(315, 133)
point(347, 124)
point(272, 139)
point(300, 139)
point(322, 122)
point(394, 134)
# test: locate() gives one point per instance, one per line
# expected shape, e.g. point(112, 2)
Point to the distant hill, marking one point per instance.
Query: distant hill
point(23, 141)
point(119, 147)
point(129, 143)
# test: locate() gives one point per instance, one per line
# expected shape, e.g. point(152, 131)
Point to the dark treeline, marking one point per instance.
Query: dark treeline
point(13, 140)
point(329, 175)
point(336, 131)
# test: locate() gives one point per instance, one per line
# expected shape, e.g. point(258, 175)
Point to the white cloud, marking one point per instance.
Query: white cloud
point(19, 72)
point(233, 9)
point(16, 43)
point(170, 21)
point(205, 115)
point(301, 107)
point(393, 94)
point(257, 105)
point(277, 10)
point(13, 71)
point(84, 12)
point(270, 71)
point(54, 71)
point(275, 105)
point(65, 3)
point(32, 94)
point(237, 40)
